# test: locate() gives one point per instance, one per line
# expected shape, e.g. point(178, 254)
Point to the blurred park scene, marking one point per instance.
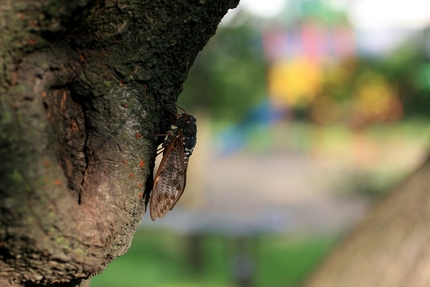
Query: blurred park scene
point(307, 115)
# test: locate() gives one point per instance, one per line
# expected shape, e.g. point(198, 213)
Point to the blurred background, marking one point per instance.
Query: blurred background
point(308, 111)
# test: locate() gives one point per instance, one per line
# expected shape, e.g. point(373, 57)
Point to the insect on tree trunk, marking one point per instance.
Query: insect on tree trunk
point(171, 177)
point(83, 91)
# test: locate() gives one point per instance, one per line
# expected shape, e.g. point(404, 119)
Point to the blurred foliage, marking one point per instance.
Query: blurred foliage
point(406, 67)
point(229, 75)
point(162, 258)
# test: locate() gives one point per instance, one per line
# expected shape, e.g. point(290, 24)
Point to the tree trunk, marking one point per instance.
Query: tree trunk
point(391, 245)
point(84, 89)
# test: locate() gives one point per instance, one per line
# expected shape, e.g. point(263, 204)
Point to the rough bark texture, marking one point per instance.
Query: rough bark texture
point(83, 90)
point(391, 247)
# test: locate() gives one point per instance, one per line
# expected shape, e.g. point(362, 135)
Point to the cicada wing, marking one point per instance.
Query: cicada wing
point(169, 183)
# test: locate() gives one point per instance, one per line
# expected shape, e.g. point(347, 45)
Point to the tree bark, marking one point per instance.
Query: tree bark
point(391, 246)
point(84, 87)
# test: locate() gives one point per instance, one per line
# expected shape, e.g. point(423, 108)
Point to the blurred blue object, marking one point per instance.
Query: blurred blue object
point(237, 136)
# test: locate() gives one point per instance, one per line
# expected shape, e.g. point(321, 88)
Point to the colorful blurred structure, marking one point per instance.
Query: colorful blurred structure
point(298, 57)
point(306, 67)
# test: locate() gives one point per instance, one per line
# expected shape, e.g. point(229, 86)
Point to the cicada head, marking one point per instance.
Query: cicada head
point(187, 123)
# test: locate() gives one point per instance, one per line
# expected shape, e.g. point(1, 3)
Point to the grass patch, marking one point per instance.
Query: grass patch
point(159, 259)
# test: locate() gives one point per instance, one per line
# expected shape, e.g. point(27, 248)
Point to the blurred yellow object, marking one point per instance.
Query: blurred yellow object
point(294, 83)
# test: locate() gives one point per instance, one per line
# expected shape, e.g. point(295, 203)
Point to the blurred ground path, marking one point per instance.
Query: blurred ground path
point(267, 192)
point(292, 191)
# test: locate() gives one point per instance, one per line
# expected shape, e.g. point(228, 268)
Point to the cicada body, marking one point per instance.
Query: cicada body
point(171, 176)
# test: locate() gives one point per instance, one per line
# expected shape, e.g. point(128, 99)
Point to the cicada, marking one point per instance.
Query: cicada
point(171, 176)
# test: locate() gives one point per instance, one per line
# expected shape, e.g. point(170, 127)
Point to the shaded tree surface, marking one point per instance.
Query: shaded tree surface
point(84, 89)
point(390, 247)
